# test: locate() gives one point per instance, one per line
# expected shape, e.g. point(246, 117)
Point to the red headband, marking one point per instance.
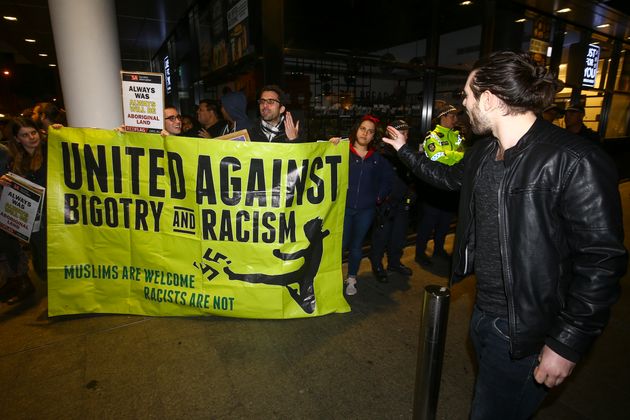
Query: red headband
point(368, 117)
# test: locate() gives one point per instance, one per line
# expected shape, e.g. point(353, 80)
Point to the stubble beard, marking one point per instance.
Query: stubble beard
point(269, 117)
point(478, 123)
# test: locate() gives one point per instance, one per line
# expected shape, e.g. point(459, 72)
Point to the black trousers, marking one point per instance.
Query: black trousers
point(436, 221)
point(389, 235)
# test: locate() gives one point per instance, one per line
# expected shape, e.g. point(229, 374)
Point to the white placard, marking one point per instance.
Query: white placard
point(20, 206)
point(143, 101)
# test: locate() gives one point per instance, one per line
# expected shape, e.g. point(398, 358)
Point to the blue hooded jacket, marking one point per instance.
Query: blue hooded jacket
point(235, 104)
point(369, 180)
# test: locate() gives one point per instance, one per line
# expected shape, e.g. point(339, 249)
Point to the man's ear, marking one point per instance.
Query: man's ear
point(489, 101)
point(282, 109)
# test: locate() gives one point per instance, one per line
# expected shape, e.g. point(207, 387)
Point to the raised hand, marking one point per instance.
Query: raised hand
point(292, 130)
point(394, 138)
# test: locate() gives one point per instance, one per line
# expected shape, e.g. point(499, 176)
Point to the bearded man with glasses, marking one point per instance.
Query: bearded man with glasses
point(276, 123)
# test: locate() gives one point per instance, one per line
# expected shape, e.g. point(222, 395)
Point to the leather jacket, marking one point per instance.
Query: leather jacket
point(561, 234)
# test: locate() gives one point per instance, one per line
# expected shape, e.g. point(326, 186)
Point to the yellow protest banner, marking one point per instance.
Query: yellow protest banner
point(141, 224)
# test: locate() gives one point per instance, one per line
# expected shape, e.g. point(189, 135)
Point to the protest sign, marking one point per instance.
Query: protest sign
point(143, 101)
point(240, 135)
point(141, 224)
point(20, 206)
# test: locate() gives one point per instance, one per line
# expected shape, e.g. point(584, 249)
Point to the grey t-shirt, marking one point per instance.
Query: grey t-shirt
point(488, 268)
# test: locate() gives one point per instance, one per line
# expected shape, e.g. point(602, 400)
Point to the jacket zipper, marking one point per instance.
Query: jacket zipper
point(359, 183)
point(504, 251)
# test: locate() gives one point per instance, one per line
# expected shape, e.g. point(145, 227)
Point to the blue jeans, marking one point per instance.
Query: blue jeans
point(505, 387)
point(356, 225)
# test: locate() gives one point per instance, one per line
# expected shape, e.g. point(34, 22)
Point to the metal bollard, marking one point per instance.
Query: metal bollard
point(431, 351)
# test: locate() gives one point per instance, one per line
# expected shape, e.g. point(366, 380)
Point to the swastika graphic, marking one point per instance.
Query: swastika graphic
point(209, 261)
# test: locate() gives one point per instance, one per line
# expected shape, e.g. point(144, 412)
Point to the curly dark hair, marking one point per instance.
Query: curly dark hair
point(377, 130)
point(515, 78)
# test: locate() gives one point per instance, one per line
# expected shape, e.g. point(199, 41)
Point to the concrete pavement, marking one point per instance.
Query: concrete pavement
point(347, 366)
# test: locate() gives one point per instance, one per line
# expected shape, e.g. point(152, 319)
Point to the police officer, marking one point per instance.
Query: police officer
point(389, 232)
point(443, 144)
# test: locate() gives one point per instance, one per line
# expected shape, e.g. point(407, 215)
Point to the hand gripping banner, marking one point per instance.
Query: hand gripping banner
point(175, 226)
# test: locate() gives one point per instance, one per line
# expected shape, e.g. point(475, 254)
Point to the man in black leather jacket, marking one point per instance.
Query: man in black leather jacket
point(540, 226)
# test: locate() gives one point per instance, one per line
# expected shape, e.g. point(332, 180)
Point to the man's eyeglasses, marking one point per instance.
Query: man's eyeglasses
point(263, 101)
point(172, 118)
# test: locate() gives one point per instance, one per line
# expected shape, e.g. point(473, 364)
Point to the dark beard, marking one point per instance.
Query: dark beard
point(481, 131)
point(476, 127)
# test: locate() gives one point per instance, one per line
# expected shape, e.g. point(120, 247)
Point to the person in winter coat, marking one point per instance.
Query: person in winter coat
point(369, 183)
point(444, 145)
point(389, 233)
point(27, 154)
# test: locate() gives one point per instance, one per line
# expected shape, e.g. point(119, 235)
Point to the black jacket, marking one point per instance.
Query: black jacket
point(401, 177)
point(589, 134)
point(561, 234)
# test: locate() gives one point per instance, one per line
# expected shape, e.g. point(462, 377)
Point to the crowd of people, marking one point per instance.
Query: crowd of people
point(539, 215)
point(382, 192)
point(383, 196)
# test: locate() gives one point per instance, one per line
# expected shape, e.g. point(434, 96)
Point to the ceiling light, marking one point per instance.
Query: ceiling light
point(520, 20)
point(2, 115)
point(565, 10)
point(603, 25)
point(52, 65)
point(6, 72)
point(465, 3)
point(43, 55)
point(29, 40)
point(11, 18)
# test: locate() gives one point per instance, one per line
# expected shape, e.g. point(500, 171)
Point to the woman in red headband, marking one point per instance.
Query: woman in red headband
point(368, 185)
